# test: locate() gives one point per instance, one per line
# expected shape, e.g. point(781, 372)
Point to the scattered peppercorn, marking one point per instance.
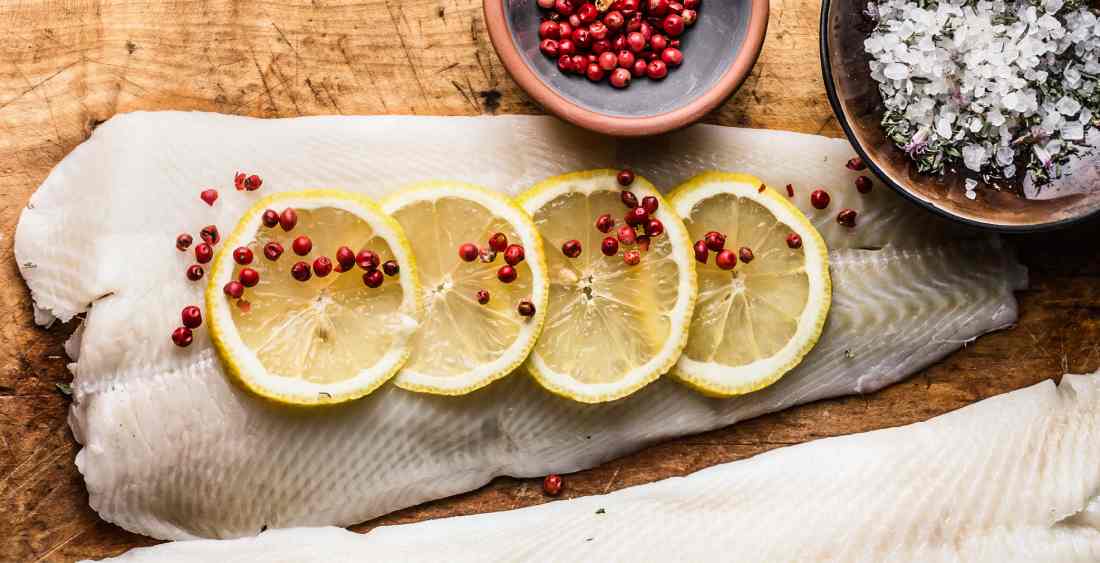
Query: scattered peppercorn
point(253, 183)
point(571, 248)
point(288, 219)
point(526, 308)
point(195, 272)
point(242, 255)
point(498, 242)
point(507, 274)
point(203, 253)
point(468, 252)
point(373, 279)
point(627, 235)
point(701, 252)
point(273, 250)
point(191, 316)
point(182, 336)
point(183, 242)
point(725, 259)
point(234, 289)
point(300, 271)
point(604, 223)
point(715, 240)
point(513, 254)
point(322, 266)
point(609, 246)
point(248, 277)
point(369, 260)
point(552, 485)
point(847, 218)
point(210, 235)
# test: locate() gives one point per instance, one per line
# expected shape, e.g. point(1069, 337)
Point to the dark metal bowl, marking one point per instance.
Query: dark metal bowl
point(858, 105)
point(720, 50)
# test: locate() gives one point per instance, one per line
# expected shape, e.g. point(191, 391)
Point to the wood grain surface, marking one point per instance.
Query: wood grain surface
point(66, 66)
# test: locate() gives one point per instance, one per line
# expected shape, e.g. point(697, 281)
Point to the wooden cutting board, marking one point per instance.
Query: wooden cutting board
point(67, 67)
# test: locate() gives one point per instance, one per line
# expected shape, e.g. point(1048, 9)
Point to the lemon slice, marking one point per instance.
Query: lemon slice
point(755, 322)
point(465, 344)
point(612, 327)
point(326, 340)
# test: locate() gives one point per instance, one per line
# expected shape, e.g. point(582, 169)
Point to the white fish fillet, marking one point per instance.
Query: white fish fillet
point(1011, 478)
point(173, 451)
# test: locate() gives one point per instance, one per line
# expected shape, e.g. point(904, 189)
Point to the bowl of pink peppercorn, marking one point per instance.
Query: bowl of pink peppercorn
point(628, 68)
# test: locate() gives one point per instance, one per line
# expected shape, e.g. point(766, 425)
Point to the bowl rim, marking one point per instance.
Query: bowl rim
point(842, 119)
point(547, 97)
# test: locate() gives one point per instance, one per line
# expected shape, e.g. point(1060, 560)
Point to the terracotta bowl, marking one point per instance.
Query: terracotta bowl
point(858, 106)
point(720, 50)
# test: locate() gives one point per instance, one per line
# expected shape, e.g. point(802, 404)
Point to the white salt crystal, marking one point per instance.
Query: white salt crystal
point(943, 128)
point(896, 71)
point(971, 184)
point(974, 157)
point(996, 118)
point(1072, 77)
point(1073, 131)
point(1067, 106)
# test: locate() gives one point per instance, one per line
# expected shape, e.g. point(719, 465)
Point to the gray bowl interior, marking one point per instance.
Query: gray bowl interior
point(709, 47)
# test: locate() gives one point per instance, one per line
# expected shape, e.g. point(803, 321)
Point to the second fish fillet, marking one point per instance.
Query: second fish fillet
point(1013, 478)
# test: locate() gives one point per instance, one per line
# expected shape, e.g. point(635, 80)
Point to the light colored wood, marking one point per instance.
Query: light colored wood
point(67, 66)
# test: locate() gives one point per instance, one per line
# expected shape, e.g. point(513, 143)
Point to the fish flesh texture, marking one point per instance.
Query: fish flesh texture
point(1012, 478)
point(173, 450)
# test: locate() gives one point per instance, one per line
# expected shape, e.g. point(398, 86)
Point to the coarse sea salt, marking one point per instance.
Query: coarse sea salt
point(989, 86)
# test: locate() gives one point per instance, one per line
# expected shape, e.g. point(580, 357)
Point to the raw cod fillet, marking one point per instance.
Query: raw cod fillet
point(174, 451)
point(1011, 478)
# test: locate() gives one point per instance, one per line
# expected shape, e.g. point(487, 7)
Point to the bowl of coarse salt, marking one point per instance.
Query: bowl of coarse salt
point(986, 113)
